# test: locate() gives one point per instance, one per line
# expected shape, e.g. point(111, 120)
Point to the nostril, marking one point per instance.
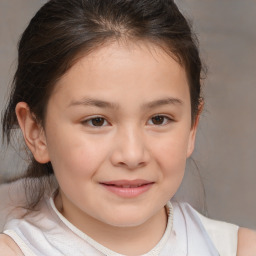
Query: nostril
point(130, 153)
point(132, 166)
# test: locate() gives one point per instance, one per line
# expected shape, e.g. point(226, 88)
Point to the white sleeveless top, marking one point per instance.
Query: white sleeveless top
point(48, 233)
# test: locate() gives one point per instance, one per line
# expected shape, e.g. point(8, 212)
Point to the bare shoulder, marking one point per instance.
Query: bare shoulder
point(8, 246)
point(246, 242)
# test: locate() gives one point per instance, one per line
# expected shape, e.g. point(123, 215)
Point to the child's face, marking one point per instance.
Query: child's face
point(118, 132)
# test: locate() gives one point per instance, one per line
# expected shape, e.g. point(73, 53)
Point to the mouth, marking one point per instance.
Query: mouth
point(128, 188)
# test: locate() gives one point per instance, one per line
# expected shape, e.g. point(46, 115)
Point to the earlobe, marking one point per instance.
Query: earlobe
point(33, 133)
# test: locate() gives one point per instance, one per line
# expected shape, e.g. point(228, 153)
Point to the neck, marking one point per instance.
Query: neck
point(134, 240)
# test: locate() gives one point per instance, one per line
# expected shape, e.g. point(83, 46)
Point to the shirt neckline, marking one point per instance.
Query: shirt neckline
point(108, 252)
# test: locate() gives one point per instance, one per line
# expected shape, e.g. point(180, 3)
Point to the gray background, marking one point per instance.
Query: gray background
point(226, 143)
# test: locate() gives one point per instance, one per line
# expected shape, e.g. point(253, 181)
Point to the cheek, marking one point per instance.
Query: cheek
point(172, 162)
point(171, 151)
point(74, 155)
point(170, 156)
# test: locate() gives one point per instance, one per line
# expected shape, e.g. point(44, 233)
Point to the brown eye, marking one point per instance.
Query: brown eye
point(159, 120)
point(95, 122)
point(99, 121)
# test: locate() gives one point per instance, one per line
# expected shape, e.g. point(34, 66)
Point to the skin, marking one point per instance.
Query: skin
point(246, 242)
point(9, 247)
point(136, 83)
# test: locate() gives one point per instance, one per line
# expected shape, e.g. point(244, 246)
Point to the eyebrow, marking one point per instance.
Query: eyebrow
point(93, 102)
point(162, 102)
point(111, 105)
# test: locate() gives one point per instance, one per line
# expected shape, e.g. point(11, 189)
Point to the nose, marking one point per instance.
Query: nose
point(129, 149)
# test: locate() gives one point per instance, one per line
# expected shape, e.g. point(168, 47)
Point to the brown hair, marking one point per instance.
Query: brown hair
point(63, 29)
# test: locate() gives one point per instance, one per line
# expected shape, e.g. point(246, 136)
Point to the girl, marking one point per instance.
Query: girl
point(107, 95)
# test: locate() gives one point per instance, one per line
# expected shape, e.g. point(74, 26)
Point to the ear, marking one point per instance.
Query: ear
point(33, 133)
point(192, 135)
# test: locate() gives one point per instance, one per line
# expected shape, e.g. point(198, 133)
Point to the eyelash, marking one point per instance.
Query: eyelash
point(89, 121)
point(166, 119)
point(103, 122)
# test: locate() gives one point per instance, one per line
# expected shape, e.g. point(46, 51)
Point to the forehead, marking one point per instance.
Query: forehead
point(136, 66)
point(124, 52)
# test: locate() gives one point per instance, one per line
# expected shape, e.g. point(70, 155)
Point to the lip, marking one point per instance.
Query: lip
point(128, 188)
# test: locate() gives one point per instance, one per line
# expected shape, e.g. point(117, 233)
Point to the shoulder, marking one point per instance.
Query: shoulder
point(9, 247)
point(246, 242)
point(223, 235)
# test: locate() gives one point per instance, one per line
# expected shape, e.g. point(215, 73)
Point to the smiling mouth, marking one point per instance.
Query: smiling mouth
point(128, 188)
point(125, 186)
